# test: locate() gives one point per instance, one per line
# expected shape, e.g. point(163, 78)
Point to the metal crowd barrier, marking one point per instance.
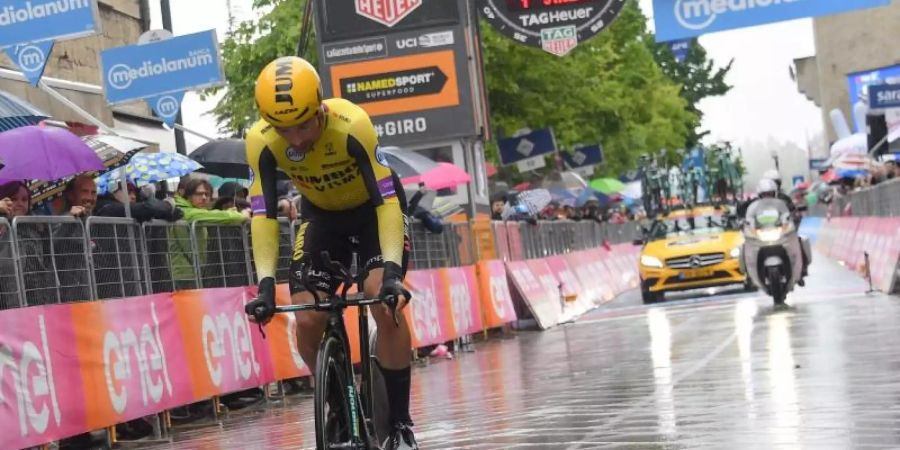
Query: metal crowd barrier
point(169, 256)
point(117, 249)
point(881, 200)
point(53, 260)
point(10, 294)
point(47, 260)
point(224, 255)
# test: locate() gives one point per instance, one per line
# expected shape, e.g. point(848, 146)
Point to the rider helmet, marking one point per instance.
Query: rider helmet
point(288, 92)
point(766, 188)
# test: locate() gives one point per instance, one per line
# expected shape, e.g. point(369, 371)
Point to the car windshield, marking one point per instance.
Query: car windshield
point(689, 226)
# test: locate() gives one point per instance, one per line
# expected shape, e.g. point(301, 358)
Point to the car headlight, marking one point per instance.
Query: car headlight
point(735, 252)
point(651, 261)
point(769, 235)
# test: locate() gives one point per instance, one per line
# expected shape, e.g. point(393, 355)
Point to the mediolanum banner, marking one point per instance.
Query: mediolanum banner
point(679, 19)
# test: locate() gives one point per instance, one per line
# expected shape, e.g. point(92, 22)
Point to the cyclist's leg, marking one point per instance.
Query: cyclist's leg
point(313, 237)
point(393, 348)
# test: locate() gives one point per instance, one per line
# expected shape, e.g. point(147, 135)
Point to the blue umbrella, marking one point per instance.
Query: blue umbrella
point(559, 194)
point(589, 194)
point(147, 168)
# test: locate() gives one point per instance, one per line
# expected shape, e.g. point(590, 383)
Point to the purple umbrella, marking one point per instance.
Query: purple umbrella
point(44, 153)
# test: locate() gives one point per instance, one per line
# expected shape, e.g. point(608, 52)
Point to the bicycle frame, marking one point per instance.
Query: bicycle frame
point(335, 306)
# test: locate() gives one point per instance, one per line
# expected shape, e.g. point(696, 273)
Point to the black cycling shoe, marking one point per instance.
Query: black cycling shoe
point(402, 438)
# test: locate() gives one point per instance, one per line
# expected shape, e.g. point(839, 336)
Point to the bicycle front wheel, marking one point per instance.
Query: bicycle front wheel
point(335, 427)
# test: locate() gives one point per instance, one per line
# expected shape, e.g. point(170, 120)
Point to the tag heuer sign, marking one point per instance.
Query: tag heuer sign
point(386, 12)
point(556, 26)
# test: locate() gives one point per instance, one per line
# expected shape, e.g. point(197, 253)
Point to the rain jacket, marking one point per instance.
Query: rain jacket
point(182, 257)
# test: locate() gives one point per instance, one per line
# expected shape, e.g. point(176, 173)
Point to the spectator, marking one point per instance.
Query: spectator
point(431, 222)
point(15, 201)
point(497, 208)
point(80, 196)
point(287, 209)
point(195, 204)
point(69, 248)
point(113, 205)
point(234, 190)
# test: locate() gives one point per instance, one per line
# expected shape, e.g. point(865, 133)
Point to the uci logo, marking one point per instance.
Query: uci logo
point(167, 106)
point(31, 58)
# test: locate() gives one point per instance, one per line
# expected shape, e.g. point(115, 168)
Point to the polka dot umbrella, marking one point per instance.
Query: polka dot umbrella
point(147, 168)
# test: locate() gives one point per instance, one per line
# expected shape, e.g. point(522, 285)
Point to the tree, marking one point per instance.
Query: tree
point(697, 76)
point(607, 90)
point(245, 52)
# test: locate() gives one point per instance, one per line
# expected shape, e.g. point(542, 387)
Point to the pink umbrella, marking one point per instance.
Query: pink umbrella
point(445, 175)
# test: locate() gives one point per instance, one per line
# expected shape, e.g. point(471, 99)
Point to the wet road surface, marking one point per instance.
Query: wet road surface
point(699, 371)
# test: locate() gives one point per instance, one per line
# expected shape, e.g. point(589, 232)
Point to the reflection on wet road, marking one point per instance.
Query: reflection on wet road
point(720, 371)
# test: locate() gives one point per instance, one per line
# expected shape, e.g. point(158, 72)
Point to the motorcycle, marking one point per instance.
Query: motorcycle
point(772, 255)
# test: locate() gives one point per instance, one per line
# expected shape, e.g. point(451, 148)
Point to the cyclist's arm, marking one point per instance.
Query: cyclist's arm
point(264, 202)
point(362, 144)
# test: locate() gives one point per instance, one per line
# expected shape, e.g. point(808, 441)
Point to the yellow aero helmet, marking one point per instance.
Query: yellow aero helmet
point(288, 92)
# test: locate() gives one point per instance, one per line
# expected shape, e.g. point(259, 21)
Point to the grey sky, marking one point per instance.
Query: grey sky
point(764, 102)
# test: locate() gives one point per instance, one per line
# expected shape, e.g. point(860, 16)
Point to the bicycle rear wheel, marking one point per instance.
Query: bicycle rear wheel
point(335, 426)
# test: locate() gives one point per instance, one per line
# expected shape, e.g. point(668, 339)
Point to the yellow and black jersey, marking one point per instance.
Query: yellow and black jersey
point(343, 171)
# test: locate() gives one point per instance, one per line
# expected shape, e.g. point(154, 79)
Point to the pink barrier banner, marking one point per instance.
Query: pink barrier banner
point(429, 311)
point(844, 251)
point(884, 263)
point(41, 391)
point(465, 302)
point(614, 272)
point(496, 301)
point(591, 284)
point(862, 243)
point(232, 354)
point(538, 289)
point(577, 299)
point(516, 251)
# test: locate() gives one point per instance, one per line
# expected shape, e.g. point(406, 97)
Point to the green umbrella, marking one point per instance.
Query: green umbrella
point(812, 198)
point(607, 185)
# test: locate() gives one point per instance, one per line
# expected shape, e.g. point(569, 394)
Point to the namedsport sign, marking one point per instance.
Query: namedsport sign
point(404, 61)
point(679, 19)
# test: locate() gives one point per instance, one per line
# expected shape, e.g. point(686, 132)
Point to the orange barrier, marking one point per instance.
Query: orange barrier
point(66, 369)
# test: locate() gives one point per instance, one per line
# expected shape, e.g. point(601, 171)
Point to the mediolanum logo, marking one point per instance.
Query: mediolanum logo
point(120, 76)
point(700, 14)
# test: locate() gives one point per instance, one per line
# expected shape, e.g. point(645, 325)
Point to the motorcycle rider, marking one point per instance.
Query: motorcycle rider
point(770, 187)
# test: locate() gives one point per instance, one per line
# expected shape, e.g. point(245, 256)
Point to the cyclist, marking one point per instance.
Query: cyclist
point(329, 149)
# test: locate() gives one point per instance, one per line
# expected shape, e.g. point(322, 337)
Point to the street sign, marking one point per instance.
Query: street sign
point(554, 26)
point(410, 76)
point(883, 96)
point(536, 143)
point(583, 156)
point(680, 19)
point(46, 20)
point(29, 29)
point(680, 49)
point(32, 59)
point(173, 65)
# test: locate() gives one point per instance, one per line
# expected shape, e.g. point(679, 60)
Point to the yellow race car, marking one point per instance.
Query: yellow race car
point(690, 249)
